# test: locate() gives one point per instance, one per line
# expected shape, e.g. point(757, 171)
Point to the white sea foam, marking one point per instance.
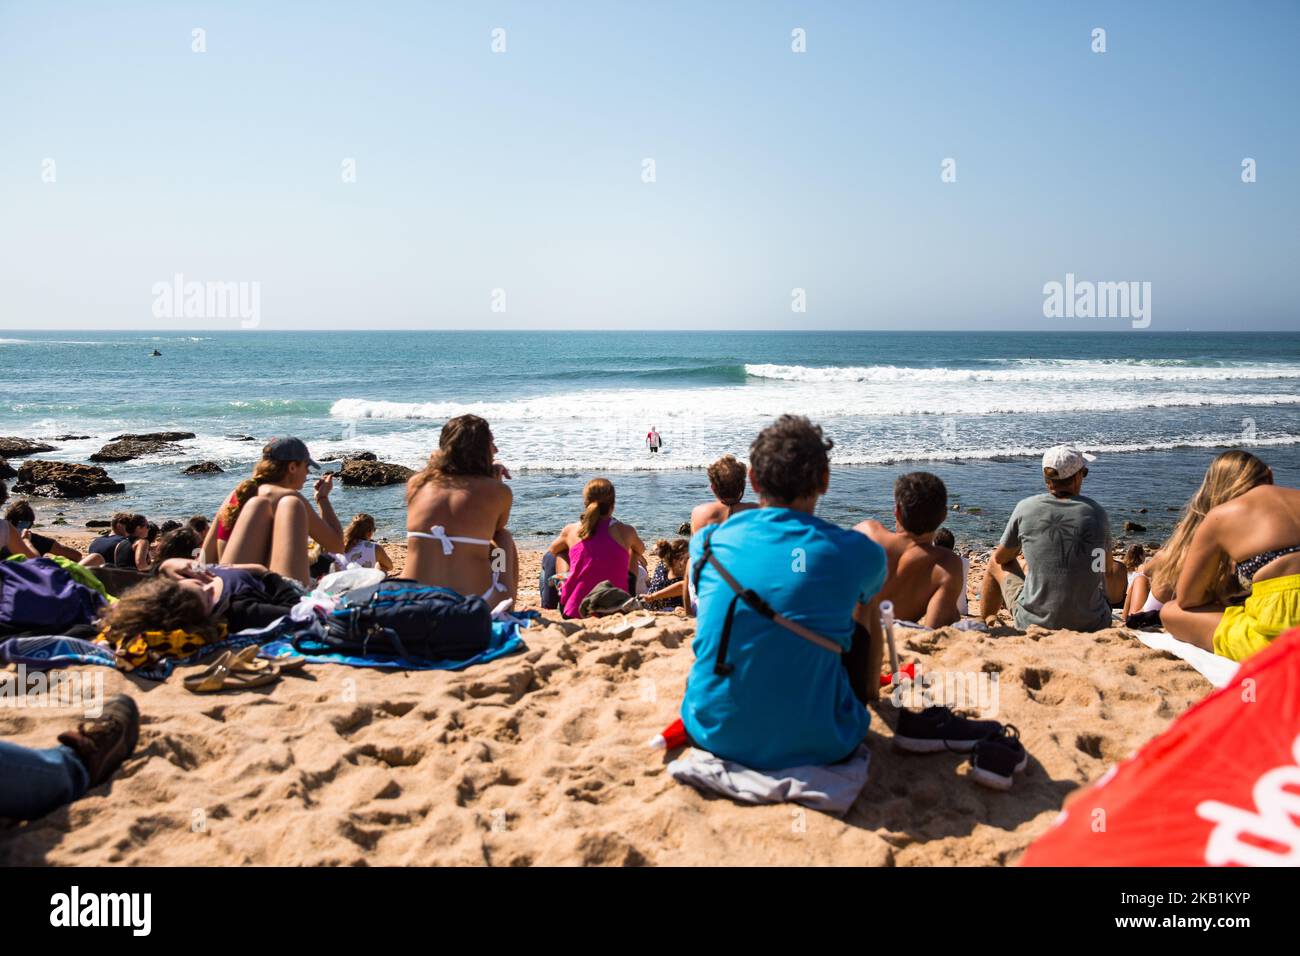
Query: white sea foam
point(1059, 373)
point(826, 400)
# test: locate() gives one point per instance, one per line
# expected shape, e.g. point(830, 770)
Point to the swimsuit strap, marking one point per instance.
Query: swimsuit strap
point(439, 533)
point(1247, 569)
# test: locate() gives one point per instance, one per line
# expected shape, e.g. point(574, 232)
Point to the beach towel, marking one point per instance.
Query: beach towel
point(831, 789)
point(44, 653)
point(277, 640)
point(1217, 670)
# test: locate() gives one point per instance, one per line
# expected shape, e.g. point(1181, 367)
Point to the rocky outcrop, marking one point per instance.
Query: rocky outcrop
point(372, 474)
point(132, 446)
point(6, 470)
point(204, 468)
point(20, 447)
point(241, 438)
point(154, 436)
point(69, 437)
point(63, 479)
point(353, 456)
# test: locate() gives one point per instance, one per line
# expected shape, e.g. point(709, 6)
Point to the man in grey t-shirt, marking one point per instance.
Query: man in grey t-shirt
point(1065, 540)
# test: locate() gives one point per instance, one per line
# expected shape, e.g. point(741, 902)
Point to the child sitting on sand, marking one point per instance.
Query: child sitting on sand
point(359, 547)
point(667, 587)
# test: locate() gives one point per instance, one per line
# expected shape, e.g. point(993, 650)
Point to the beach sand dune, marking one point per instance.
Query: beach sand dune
point(541, 758)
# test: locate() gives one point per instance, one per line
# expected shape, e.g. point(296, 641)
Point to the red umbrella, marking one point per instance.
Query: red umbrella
point(1220, 787)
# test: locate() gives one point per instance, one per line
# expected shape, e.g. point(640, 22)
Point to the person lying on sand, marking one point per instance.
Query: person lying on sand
point(1070, 577)
point(183, 595)
point(34, 782)
point(17, 536)
point(774, 691)
point(727, 481)
point(267, 520)
point(597, 547)
point(457, 509)
point(1258, 531)
point(925, 580)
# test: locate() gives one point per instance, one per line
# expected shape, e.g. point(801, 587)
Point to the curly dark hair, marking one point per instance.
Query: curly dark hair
point(922, 501)
point(727, 479)
point(789, 459)
point(158, 604)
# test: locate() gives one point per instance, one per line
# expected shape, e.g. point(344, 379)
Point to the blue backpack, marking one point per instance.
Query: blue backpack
point(413, 621)
point(38, 596)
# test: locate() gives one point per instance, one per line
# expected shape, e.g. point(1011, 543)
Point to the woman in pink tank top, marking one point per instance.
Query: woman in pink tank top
point(599, 548)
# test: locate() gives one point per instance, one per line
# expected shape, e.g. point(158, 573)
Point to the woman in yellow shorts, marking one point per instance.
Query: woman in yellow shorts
point(1257, 534)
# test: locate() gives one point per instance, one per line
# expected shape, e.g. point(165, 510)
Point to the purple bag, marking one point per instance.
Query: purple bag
point(39, 596)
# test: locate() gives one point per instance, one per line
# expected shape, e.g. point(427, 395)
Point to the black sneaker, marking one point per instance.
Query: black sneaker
point(103, 743)
point(995, 761)
point(938, 728)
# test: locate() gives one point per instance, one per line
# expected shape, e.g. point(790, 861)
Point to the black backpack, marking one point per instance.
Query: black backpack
point(410, 620)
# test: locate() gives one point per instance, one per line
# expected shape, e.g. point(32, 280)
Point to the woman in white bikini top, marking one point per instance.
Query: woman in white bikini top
point(457, 509)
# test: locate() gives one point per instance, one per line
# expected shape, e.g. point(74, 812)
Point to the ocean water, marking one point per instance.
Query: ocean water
point(976, 408)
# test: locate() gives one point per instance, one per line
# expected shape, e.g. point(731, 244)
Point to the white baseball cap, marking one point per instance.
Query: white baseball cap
point(1064, 461)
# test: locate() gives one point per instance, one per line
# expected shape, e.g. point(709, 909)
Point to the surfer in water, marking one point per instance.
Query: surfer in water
point(653, 440)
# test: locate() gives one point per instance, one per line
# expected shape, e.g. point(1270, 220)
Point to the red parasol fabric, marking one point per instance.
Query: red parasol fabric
point(1220, 787)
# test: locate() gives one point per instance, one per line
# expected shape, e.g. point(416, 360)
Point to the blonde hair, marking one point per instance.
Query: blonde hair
point(1229, 476)
point(361, 527)
point(267, 472)
point(598, 497)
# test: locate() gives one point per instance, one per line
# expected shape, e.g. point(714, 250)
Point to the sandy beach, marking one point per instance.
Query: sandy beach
point(541, 758)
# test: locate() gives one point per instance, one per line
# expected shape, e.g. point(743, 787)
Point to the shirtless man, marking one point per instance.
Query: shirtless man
point(727, 479)
point(925, 580)
point(456, 514)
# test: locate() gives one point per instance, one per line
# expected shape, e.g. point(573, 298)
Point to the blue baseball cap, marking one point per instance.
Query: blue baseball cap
point(289, 449)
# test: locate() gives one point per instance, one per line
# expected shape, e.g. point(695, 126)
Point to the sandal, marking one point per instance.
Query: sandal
point(225, 674)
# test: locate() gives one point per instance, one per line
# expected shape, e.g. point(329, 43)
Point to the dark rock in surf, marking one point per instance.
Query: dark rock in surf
point(154, 436)
point(99, 523)
point(1132, 527)
point(372, 474)
point(241, 438)
point(684, 528)
point(69, 437)
point(64, 479)
point(204, 468)
point(129, 447)
point(20, 447)
point(352, 456)
point(6, 470)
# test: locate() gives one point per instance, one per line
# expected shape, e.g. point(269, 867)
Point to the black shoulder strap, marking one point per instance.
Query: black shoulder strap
point(757, 604)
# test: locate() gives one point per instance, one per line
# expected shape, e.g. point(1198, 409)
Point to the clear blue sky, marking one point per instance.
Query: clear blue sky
point(775, 170)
